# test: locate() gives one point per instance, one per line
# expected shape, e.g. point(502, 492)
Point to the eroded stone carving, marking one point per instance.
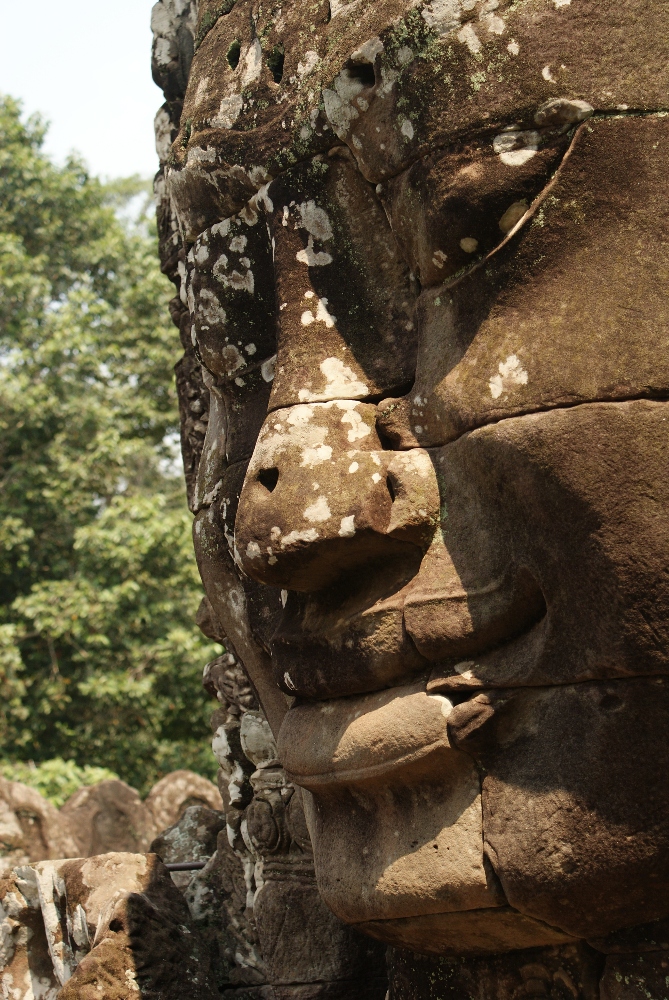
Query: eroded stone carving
point(105, 818)
point(421, 254)
point(112, 926)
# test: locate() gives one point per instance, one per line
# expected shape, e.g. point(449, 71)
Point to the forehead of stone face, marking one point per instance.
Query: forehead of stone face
point(271, 86)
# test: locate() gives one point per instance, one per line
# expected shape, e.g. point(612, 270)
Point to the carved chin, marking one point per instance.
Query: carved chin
point(545, 830)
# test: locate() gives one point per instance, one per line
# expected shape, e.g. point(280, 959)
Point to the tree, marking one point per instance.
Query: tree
point(99, 658)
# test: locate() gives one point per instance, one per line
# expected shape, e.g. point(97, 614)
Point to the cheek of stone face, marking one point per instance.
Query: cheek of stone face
point(575, 801)
point(545, 518)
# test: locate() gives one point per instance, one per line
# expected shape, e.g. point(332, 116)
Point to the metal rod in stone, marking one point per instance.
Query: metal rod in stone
point(186, 866)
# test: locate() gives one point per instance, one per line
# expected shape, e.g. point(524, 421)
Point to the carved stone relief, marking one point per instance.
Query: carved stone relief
point(421, 257)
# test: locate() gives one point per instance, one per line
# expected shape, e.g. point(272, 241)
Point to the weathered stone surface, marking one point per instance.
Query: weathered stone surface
point(633, 977)
point(218, 901)
point(111, 926)
point(26, 969)
point(450, 209)
point(138, 930)
point(586, 536)
point(276, 929)
point(576, 832)
point(192, 838)
point(540, 327)
point(109, 816)
point(170, 797)
point(569, 972)
point(314, 503)
point(31, 829)
point(345, 297)
point(454, 492)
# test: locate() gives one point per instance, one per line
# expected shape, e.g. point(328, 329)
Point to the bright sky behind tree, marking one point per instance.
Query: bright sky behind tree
point(86, 66)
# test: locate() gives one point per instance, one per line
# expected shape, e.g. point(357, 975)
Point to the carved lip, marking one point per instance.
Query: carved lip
point(359, 738)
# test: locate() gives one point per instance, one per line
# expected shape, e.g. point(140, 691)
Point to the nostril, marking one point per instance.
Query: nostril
point(269, 478)
point(391, 487)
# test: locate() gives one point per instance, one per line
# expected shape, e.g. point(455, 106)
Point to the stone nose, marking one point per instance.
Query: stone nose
point(322, 496)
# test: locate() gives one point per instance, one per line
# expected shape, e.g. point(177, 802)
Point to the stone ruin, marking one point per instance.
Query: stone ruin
point(108, 816)
point(421, 257)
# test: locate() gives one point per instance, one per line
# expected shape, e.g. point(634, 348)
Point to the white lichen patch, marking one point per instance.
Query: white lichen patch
point(253, 551)
point(238, 243)
point(442, 15)
point(353, 467)
point(467, 35)
point(347, 529)
point(209, 311)
point(162, 127)
point(131, 980)
point(469, 244)
point(369, 51)
point(511, 374)
point(315, 220)
point(516, 148)
point(547, 75)
point(228, 112)
point(359, 429)
point(311, 61)
point(252, 63)
point(299, 431)
point(318, 511)
point(311, 257)
point(406, 128)
point(309, 535)
point(513, 48)
point(347, 86)
point(320, 316)
point(201, 255)
point(493, 23)
point(268, 369)
point(341, 380)
point(415, 462)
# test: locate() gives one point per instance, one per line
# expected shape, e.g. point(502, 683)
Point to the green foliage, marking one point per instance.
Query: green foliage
point(56, 779)
point(100, 663)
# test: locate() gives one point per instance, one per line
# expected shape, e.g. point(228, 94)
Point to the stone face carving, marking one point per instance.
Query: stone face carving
point(421, 254)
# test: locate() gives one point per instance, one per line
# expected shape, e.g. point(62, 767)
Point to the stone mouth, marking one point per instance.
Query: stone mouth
point(360, 739)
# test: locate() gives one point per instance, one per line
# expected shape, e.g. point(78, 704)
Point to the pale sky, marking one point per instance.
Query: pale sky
point(86, 65)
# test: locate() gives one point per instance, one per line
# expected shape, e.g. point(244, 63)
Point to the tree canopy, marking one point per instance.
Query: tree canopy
point(100, 661)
